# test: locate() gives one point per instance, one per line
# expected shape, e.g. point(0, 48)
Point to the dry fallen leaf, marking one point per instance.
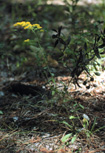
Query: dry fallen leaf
point(44, 150)
point(34, 140)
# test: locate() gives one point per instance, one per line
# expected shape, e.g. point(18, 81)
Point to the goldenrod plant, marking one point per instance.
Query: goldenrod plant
point(37, 50)
point(28, 25)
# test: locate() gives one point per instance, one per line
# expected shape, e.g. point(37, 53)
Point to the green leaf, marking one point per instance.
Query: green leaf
point(81, 106)
point(72, 117)
point(1, 113)
point(53, 93)
point(74, 138)
point(35, 50)
point(66, 137)
point(74, 105)
point(103, 127)
point(67, 124)
point(72, 110)
point(52, 74)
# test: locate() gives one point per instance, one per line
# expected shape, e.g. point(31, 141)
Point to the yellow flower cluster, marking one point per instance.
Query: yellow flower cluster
point(37, 26)
point(27, 40)
point(28, 25)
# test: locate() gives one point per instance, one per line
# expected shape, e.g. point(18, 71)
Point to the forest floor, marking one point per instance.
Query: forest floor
point(32, 112)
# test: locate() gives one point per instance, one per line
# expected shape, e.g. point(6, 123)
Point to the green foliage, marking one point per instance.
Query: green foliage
point(66, 137)
point(83, 45)
point(34, 45)
point(75, 131)
point(72, 5)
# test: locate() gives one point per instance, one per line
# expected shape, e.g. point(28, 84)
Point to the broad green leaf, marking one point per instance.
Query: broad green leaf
point(66, 137)
point(74, 138)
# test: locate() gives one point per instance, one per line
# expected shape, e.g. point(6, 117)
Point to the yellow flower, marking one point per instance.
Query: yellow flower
point(27, 26)
point(28, 23)
point(41, 30)
point(23, 23)
point(85, 120)
point(27, 40)
point(37, 26)
point(16, 24)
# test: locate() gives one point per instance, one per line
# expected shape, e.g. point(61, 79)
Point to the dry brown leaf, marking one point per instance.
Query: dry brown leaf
point(34, 140)
point(44, 150)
